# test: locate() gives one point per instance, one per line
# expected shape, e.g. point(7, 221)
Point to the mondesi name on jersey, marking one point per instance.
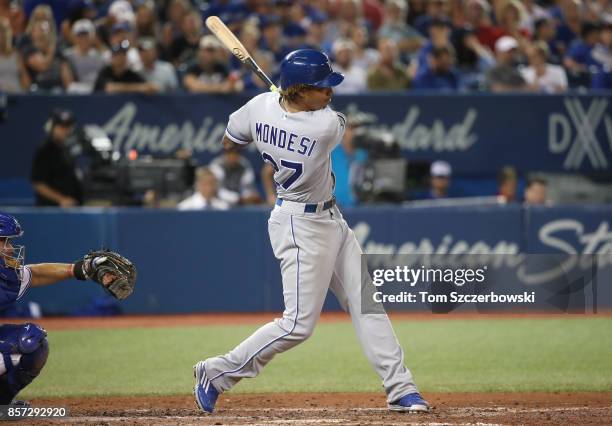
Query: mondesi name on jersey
point(280, 138)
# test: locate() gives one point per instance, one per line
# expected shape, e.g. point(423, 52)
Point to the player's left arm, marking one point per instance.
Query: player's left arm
point(50, 273)
point(115, 273)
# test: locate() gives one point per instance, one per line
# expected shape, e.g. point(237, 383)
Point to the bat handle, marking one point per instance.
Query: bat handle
point(251, 63)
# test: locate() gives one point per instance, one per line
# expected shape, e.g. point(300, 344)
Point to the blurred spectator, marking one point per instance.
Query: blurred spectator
point(510, 16)
point(364, 57)
point(478, 18)
point(172, 29)
point(354, 77)
point(439, 36)
point(387, 74)
point(532, 12)
point(317, 28)
point(46, 69)
point(159, 73)
point(272, 40)
point(507, 181)
point(542, 76)
point(41, 13)
point(184, 48)
point(12, 11)
point(54, 175)
point(117, 77)
point(505, 76)
point(349, 14)
point(473, 59)
point(205, 196)
point(347, 161)
point(120, 14)
point(570, 26)
point(395, 27)
point(207, 74)
point(440, 175)
point(440, 74)
point(580, 57)
point(145, 22)
point(10, 64)
point(602, 80)
point(436, 10)
point(535, 192)
point(85, 59)
point(546, 31)
point(602, 52)
point(295, 37)
point(236, 178)
point(123, 31)
point(77, 10)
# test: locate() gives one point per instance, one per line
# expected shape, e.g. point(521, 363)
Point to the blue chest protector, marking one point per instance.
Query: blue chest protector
point(10, 285)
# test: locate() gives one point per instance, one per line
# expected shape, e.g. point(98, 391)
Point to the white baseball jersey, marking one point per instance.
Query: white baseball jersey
point(298, 151)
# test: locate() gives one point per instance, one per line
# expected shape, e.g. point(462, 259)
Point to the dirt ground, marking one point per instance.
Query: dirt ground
point(316, 408)
point(338, 409)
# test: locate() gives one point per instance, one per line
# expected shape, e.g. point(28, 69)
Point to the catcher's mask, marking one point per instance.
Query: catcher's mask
point(12, 255)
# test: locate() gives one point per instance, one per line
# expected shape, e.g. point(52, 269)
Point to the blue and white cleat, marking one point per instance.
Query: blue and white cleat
point(411, 403)
point(204, 392)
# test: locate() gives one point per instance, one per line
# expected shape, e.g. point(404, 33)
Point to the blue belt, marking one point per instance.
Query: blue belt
point(312, 208)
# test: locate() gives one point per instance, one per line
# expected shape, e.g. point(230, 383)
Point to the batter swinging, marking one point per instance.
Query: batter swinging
point(296, 131)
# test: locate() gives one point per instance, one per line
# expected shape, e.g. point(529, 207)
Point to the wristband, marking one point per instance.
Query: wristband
point(78, 272)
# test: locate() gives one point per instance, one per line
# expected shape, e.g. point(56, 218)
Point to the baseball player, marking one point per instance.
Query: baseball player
point(295, 131)
point(24, 347)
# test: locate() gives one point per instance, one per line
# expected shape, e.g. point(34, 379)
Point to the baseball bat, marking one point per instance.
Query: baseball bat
point(229, 40)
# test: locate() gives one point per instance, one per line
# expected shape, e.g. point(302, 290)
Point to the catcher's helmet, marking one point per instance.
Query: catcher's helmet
point(9, 227)
point(11, 258)
point(308, 66)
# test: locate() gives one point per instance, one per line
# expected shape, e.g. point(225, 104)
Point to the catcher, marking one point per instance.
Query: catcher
point(24, 347)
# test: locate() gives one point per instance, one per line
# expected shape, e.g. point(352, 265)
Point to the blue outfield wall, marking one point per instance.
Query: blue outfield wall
point(477, 134)
point(222, 261)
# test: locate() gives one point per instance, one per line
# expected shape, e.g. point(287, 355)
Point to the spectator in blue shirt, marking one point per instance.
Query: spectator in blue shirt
point(440, 75)
point(580, 54)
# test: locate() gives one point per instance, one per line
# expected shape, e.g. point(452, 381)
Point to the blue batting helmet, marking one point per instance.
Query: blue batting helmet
point(308, 66)
point(9, 227)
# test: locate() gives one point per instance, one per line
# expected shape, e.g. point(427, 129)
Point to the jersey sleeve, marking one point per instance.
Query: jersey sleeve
point(26, 280)
point(338, 127)
point(239, 126)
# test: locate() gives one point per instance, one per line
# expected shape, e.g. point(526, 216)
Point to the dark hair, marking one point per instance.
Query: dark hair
point(436, 52)
point(539, 23)
point(588, 28)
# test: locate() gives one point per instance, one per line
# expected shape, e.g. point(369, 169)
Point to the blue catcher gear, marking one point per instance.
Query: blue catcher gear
point(29, 341)
point(308, 66)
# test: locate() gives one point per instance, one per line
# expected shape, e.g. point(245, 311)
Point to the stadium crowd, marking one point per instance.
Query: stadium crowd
point(146, 46)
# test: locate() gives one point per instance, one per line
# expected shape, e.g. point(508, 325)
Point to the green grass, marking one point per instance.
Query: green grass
point(573, 354)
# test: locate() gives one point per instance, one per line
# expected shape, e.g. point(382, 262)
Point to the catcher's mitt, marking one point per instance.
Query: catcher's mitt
point(115, 273)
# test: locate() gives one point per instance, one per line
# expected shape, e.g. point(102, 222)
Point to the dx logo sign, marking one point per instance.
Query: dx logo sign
point(575, 133)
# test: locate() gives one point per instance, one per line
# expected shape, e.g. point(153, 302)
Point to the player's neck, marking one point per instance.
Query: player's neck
point(293, 106)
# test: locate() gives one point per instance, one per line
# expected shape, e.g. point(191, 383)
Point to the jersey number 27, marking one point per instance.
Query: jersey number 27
point(298, 169)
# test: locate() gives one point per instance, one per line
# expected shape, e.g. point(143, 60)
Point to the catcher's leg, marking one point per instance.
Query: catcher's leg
point(306, 248)
point(24, 350)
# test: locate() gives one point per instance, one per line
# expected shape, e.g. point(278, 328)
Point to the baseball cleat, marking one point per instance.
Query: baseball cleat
point(204, 392)
point(411, 403)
